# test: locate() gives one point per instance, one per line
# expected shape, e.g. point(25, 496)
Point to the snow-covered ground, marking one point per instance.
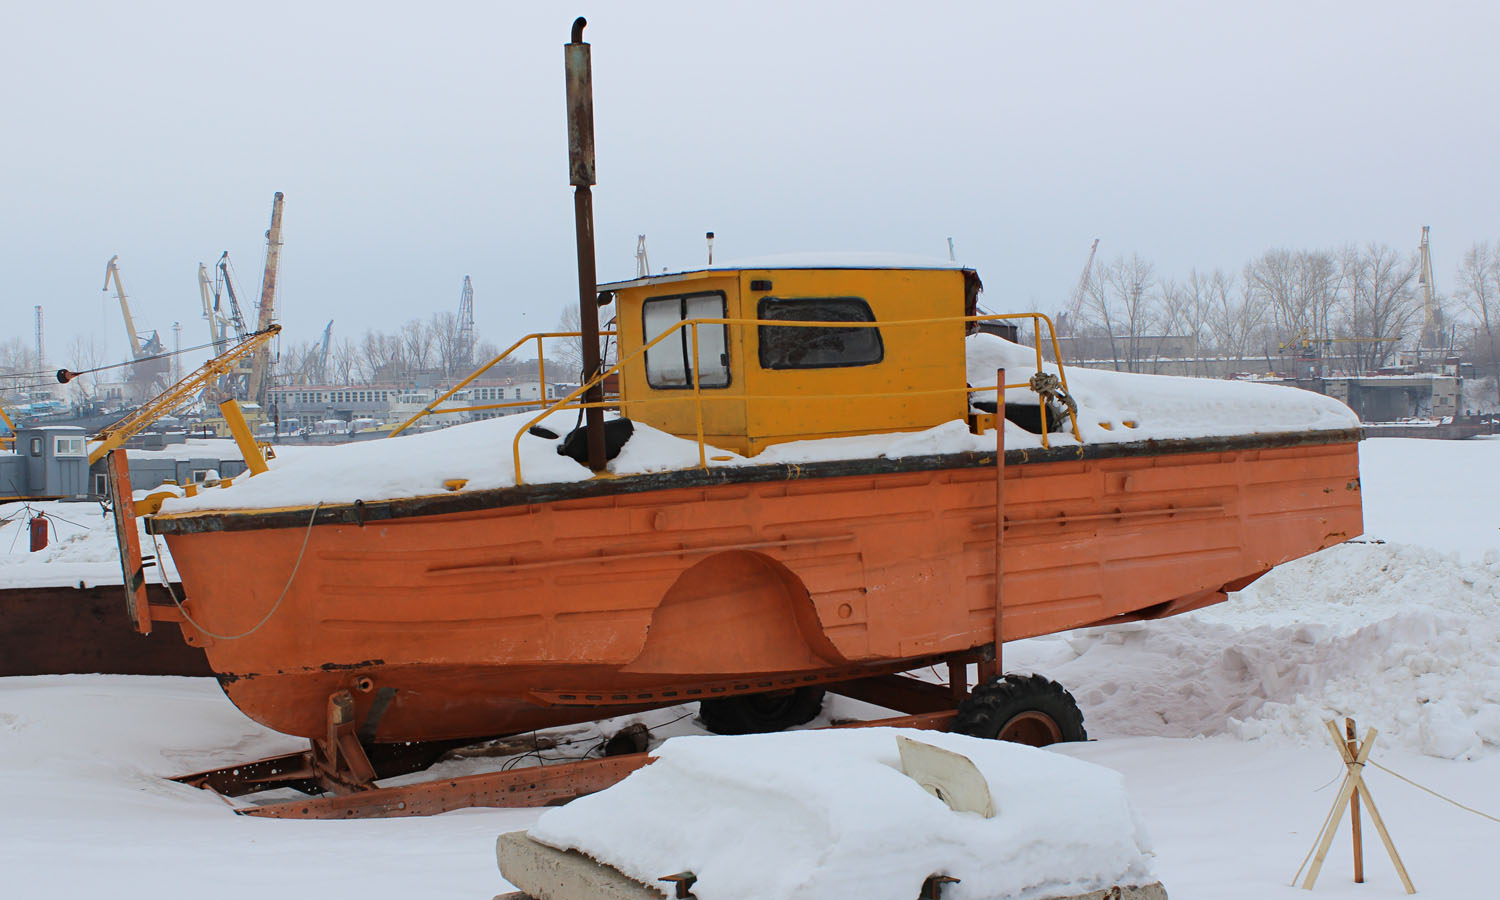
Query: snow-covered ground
point(1213, 718)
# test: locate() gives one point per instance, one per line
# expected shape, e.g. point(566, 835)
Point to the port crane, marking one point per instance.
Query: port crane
point(1075, 306)
point(259, 379)
point(315, 364)
point(226, 324)
point(464, 352)
point(1434, 330)
point(150, 372)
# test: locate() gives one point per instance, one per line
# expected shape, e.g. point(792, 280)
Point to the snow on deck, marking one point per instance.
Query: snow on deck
point(830, 814)
point(1159, 406)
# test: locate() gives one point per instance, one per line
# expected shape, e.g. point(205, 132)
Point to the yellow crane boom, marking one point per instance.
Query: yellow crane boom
point(112, 271)
point(117, 434)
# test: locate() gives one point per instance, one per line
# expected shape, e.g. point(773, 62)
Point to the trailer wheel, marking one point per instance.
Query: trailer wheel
point(1024, 709)
point(760, 713)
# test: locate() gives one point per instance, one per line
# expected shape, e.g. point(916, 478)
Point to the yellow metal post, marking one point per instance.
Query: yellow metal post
point(238, 427)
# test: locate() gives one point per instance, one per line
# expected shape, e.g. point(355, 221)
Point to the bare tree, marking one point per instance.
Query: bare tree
point(293, 362)
point(444, 328)
point(344, 360)
point(17, 355)
point(416, 344)
point(1184, 313)
point(1479, 292)
point(1381, 303)
point(381, 356)
point(1300, 289)
point(1234, 315)
point(568, 352)
point(1118, 295)
point(84, 353)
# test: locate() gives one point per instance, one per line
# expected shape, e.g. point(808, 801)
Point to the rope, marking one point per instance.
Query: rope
point(1049, 386)
point(277, 605)
point(1310, 850)
point(1433, 792)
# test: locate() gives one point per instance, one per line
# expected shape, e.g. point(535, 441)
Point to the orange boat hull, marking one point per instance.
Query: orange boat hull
point(587, 600)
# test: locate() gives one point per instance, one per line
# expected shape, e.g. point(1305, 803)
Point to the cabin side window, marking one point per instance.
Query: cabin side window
point(817, 348)
point(67, 446)
point(669, 363)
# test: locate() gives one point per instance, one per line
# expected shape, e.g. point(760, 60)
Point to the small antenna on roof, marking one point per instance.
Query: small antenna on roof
point(710, 237)
point(951, 256)
point(642, 264)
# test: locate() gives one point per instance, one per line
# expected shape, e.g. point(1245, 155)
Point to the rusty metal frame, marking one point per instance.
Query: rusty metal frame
point(531, 786)
point(132, 566)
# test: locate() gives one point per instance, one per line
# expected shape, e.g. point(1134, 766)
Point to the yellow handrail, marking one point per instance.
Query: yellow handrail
point(541, 366)
point(566, 402)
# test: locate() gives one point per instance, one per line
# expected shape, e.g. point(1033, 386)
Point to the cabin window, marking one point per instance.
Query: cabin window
point(36, 446)
point(101, 484)
point(817, 348)
point(67, 446)
point(669, 364)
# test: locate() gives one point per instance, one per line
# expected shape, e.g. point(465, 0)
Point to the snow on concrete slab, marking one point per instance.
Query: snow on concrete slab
point(830, 814)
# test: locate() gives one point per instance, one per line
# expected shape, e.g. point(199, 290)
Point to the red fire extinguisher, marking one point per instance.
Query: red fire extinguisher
point(38, 532)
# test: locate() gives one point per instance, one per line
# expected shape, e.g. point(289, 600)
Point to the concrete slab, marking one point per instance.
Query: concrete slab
point(546, 873)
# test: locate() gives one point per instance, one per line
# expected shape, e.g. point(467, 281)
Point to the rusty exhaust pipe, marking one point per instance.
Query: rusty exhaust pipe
point(580, 85)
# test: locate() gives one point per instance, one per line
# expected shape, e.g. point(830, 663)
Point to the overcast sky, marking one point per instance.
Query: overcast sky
point(421, 142)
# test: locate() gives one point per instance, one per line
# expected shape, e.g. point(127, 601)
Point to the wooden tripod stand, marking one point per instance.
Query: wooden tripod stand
point(1354, 754)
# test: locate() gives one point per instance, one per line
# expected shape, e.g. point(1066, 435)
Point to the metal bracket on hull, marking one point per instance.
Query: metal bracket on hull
point(340, 763)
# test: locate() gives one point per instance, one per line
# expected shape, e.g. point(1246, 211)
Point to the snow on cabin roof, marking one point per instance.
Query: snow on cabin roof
point(812, 260)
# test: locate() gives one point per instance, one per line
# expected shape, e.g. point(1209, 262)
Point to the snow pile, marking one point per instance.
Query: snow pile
point(1161, 406)
point(830, 814)
point(1399, 637)
point(1404, 637)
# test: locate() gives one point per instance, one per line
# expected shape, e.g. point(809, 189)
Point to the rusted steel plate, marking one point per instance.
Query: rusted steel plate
point(70, 630)
point(898, 692)
point(531, 786)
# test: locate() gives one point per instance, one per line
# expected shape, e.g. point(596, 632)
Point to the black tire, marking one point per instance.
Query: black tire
point(761, 713)
point(1025, 709)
